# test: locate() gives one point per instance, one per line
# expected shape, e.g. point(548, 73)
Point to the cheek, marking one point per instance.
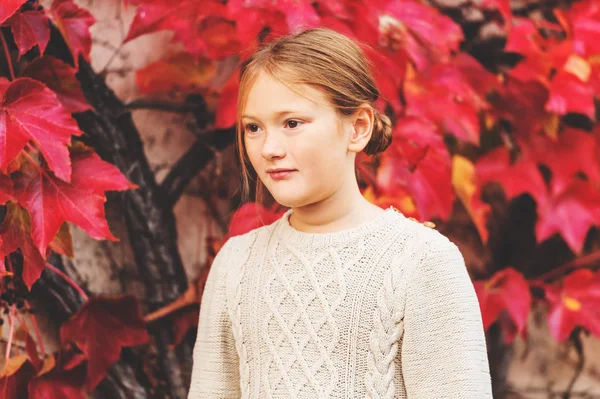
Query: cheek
point(253, 151)
point(321, 156)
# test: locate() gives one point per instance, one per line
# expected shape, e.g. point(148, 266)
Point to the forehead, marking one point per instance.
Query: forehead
point(268, 96)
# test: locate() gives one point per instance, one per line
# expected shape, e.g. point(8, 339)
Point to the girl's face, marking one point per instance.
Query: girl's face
point(302, 134)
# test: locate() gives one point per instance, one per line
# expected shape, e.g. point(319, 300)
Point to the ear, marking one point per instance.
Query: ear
point(361, 129)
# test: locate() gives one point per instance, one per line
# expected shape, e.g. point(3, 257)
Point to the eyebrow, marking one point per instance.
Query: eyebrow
point(278, 114)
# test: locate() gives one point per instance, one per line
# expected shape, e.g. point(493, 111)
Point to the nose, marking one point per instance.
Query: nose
point(273, 146)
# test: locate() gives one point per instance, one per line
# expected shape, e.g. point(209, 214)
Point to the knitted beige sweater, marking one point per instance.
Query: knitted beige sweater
point(382, 310)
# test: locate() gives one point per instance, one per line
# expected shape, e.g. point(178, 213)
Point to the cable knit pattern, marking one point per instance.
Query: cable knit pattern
point(234, 292)
point(382, 310)
point(326, 293)
point(387, 322)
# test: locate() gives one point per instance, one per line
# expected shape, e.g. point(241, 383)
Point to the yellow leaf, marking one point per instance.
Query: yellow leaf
point(551, 123)
point(578, 67)
point(13, 365)
point(407, 205)
point(48, 365)
point(464, 183)
point(463, 178)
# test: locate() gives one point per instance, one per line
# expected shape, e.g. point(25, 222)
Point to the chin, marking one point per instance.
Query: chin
point(290, 201)
point(287, 202)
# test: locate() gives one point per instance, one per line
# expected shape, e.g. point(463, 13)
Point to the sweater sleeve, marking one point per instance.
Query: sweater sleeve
point(444, 351)
point(215, 372)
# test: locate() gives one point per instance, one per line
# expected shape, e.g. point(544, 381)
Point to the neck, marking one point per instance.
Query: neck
point(346, 208)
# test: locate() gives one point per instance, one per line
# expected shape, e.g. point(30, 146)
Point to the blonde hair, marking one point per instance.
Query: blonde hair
point(322, 58)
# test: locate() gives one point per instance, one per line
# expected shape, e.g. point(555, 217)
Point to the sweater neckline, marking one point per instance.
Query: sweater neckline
point(335, 238)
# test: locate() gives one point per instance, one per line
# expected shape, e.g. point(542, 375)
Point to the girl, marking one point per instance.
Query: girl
point(338, 298)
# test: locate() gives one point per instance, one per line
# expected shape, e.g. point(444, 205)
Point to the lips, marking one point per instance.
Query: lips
point(280, 173)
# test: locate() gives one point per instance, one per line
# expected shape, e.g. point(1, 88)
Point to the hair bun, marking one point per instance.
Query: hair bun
point(381, 137)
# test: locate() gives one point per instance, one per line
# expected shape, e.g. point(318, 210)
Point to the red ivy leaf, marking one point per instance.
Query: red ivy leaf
point(299, 14)
point(516, 178)
point(72, 357)
point(250, 21)
point(595, 76)
point(16, 233)
point(418, 162)
point(295, 15)
point(30, 111)
point(179, 72)
point(151, 17)
point(214, 38)
point(59, 385)
point(8, 8)
point(200, 26)
point(51, 201)
point(389, 74)
point(574, 303)
point(57, 380)
point(250, 216)
point(334, 8)
point(92, 330)
point(583, 21)
point(507, 290)
point(30, 28)
point(569, 94)
point(445, 86)
point(570, 212)
point(15, 377)
point(522, 104)
point(60, 78)
point(526, 40)
point(92, 173)
point(74, 25)
point(426, 34)
point(226, 111)
point(574, 151)
point(182, 321)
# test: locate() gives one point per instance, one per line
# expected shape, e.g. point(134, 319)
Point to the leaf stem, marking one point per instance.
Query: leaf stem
point(11, 320)
point(7, 54)
point(577, 263)
point(68, 280)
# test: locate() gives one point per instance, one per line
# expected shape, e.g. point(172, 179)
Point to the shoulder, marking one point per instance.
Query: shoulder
point(429, 240)
point(421, 238)
point(437, 264)
point(426, 252)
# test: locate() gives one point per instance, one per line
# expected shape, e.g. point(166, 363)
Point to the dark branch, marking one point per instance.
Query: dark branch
point(161, 106)
point(151, 228)
point(192, 162)
point(576, 339)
